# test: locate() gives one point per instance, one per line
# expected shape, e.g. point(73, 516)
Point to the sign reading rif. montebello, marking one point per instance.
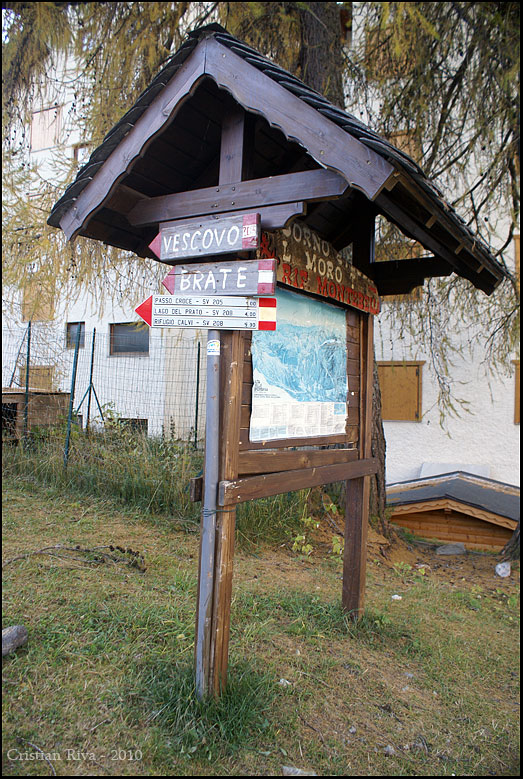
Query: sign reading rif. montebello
point(207, 236)
point(309, 263)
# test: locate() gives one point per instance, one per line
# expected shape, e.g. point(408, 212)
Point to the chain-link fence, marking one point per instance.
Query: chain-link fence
point(152, 381)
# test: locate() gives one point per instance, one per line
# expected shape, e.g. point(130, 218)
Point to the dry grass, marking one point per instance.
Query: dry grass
point(425, 685)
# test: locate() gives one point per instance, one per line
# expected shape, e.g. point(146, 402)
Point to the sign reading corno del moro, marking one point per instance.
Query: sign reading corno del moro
point(308, 263)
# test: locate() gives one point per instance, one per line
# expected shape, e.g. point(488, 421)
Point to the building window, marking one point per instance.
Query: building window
point(129, 338)
point(45, 128)
point(71, 333)
point(400, 384)
point(40, 377)
point(81, 153)
point(383, 60)
point(407, 142)
point(37, 303)
point(346, 24)
point(134, 425)
point(516, 404)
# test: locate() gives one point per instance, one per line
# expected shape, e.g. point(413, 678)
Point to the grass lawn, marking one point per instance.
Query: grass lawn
point(423, 686)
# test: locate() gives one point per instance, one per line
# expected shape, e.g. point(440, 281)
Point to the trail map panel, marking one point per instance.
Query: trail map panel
point(300, 383)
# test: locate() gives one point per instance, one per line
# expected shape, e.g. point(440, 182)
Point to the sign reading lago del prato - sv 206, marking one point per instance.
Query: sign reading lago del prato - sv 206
point(213, 313)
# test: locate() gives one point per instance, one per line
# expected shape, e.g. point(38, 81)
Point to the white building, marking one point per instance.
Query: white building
point(135, 371)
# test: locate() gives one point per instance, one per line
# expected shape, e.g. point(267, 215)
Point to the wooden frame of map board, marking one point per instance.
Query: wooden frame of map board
point(250, 471)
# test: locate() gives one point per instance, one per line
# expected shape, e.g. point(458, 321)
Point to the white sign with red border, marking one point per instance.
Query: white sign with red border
point(212, 313)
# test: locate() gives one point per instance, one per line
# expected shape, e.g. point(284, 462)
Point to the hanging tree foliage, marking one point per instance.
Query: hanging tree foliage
point(439, 79)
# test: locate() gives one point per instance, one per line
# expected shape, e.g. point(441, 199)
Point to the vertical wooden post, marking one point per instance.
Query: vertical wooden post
point(204, 611)
point(217, 534)
point(358, 490)
point(232, 373)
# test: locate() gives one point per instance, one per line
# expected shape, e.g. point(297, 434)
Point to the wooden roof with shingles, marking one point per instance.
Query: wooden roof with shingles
point(463, 488)
point(169, 142)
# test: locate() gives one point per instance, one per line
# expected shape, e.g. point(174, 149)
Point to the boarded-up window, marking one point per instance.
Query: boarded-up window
point(384, 58)
point(407, 142)
point(45, 128)
point(400, 384)
point(40, 377)
point(37, 303)
point(72, 332)
point(129, 338)
point(516, 404)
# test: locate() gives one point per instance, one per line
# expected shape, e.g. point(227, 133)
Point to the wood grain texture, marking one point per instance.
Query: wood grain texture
point(327, 143)
point(306, 185)
point(231, 370)
point(254, 487)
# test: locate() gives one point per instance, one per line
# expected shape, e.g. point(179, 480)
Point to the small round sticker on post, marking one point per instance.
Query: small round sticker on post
point(213, 347)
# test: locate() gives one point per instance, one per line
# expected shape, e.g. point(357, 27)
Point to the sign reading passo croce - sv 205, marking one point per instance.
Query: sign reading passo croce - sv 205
point(308, 263)
point(207, 236)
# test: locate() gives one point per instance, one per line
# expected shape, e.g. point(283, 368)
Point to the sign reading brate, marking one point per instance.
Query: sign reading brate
point(207, 236)
point(212, 313)
point(249, 277)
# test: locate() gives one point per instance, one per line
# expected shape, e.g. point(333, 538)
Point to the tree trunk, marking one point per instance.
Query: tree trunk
point(321, 67)
point(377, 489)
point(320, 61)
point(511, 549)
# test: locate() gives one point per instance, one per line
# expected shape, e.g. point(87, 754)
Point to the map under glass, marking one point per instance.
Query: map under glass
point(300, 371)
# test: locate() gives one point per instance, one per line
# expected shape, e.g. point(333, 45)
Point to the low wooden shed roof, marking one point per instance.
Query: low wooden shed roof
point(465, 489)
point(160, 162)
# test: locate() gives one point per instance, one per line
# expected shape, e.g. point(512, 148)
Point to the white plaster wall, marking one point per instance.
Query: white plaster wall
point(484, 435)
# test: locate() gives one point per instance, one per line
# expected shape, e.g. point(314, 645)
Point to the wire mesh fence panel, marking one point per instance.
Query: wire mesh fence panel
point(151, 381)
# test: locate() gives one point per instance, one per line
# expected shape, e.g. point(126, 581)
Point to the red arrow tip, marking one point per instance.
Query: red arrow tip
point(145, 310)
point(156, 245)
point(168, 282)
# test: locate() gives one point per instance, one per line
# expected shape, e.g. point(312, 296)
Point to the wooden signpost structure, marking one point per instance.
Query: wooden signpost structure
point(231, 170)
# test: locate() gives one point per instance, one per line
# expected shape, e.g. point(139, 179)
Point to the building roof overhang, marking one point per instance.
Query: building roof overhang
point(307, 157)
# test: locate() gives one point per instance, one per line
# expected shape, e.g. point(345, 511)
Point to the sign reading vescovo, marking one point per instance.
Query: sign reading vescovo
point(239, 277)
point(207, 236)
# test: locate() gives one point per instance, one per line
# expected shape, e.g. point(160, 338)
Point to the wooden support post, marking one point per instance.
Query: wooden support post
point(358, 490)
point(204, 610)
point(232, 373)
point(221, 462)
